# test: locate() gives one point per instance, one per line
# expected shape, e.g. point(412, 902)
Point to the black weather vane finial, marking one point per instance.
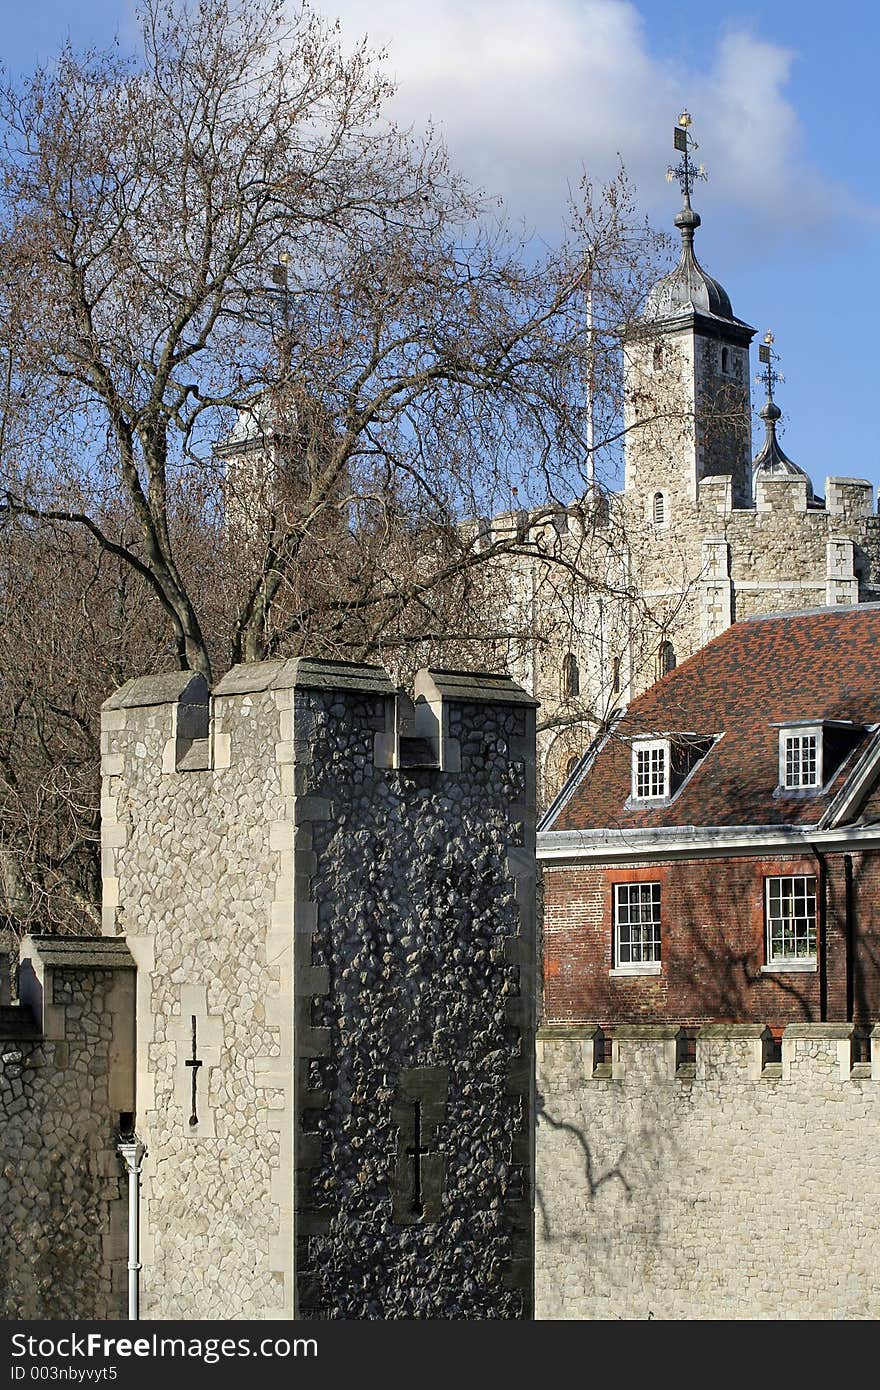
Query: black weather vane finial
point(685, 171)
point(767, 356)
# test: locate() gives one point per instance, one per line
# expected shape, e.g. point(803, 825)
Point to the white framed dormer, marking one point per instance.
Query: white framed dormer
point(801, 758)
point(662, 764)
point(651, 764)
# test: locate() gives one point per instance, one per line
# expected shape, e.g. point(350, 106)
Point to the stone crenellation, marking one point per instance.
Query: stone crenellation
point(732, 1186)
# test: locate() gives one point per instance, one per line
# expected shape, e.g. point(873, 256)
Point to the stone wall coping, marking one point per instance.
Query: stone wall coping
point(305, 672)
point(818, 1030)
point(471, 687)
point(79, 952)
point(732, 1030)
point(576, 1032)
point(170, 688)
point(645, 1032)
point(316, 673)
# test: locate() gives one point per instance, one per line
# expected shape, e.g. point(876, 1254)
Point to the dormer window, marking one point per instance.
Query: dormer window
point(661, 766)
point(650, 770)
point(800, 758)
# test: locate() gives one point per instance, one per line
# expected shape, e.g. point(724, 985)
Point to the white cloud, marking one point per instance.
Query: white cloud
point(527, 92)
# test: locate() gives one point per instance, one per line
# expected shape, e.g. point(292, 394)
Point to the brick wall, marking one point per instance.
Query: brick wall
point(712, 943)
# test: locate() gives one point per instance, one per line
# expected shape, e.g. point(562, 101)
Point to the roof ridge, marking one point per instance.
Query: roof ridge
point(825, 610)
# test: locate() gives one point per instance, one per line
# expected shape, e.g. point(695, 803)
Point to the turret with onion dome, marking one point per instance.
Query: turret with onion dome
point(688, 288)
point(688, 355)
point(772, 461)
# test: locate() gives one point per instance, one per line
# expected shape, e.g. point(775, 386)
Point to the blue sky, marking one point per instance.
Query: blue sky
point(784, 104)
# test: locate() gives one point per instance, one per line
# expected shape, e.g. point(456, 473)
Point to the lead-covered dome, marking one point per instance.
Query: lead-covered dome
point(772, 461)
point(688, 287)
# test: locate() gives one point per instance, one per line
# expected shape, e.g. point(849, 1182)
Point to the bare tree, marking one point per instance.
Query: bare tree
point(73, 624)
point(228, 220)
point(265, 362)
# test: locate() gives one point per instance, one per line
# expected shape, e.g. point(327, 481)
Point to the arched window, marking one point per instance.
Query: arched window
point(658, 357)
point(665, 659)
point(659, 509)
point(615, 675)
point(725, 359)
point(571, 676)
point(570, 766)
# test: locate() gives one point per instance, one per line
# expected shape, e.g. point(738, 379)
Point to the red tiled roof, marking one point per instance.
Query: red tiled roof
point(809, 667)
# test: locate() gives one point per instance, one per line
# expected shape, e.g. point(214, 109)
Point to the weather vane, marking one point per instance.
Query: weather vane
point(685, 171)
point(767, 356)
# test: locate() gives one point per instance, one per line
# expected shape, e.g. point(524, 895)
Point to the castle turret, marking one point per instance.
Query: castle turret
point(772, 463)
point(688, 408)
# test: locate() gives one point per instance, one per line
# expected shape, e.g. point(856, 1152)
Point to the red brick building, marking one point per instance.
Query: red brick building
point(715, 857)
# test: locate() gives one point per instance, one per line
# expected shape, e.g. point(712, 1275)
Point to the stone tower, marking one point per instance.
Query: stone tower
point(328, 889)
point(702, 535)
point(688, 405)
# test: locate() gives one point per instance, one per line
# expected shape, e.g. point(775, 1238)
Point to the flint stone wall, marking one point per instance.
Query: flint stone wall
point(65, 1076)
point(729, 1190)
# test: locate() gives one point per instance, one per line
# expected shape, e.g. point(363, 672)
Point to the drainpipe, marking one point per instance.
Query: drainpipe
point(850, 936)
point(133, 1153)
point(822, 907)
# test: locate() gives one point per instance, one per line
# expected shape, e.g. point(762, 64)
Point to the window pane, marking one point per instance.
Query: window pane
point(636, 923)
point(801, 760)
point(791, 917)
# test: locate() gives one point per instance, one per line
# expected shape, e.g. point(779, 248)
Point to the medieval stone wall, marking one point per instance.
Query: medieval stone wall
point(65, 1077)
point(194, 861)
point(728, 1189)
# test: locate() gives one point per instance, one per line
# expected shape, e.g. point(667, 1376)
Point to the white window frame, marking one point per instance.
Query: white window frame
point(804, 893)
point(647, 896)
point(647, 747)
point(790, 737)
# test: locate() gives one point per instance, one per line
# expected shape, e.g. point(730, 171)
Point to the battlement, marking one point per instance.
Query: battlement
point(647, 1054)
point(852, 497)
point(703, 1178)
point(197, 730)
point(849, 498)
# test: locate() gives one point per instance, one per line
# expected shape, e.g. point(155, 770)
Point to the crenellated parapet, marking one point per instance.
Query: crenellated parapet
point(729, 1174)
point(729, 1052)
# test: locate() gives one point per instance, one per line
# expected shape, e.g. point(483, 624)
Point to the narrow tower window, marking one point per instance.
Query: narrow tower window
point(571, 676)
point(725, 360)
point(659, 510)
point(658, 357)
point(665, 659)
